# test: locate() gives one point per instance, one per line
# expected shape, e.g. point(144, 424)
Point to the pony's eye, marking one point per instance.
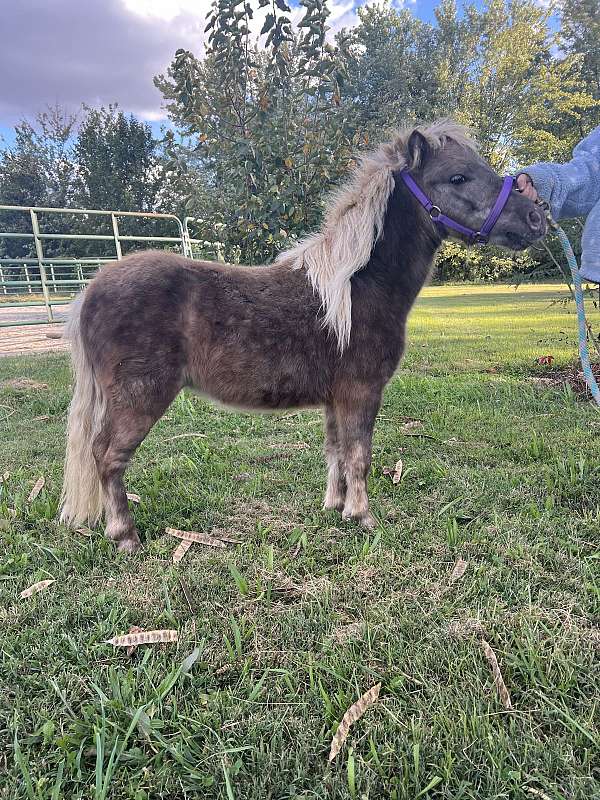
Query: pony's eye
point(456, 179)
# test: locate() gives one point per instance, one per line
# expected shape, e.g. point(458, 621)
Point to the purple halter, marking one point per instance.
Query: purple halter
point(481, 236)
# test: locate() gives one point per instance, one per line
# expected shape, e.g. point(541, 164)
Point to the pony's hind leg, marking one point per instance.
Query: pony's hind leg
point(122, 432)
point(335, 494)
point(355, 415)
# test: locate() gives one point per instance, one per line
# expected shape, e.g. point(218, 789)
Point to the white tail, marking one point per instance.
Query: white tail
point(81, 499)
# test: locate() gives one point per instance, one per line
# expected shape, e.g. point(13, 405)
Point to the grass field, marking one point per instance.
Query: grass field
point(290, 626)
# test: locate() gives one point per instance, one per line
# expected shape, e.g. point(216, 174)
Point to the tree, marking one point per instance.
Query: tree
point(560, 111)
point(267, 125)
point(391, 81)
point(37, 170)
point(580, 36)
point(118, 165)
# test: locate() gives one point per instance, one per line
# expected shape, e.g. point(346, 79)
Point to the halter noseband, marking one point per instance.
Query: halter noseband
point(482, 236)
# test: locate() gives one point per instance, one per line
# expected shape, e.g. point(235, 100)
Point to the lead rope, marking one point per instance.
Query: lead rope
point(584, 353)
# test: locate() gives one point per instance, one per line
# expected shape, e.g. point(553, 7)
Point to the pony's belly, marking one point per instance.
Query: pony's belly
point(257, 379)
point(252, 398)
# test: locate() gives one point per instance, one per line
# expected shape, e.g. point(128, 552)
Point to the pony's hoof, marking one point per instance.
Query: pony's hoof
point(366, 519)
point(130, 544)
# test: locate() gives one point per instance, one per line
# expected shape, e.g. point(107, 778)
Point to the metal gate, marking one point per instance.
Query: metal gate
point(55, 279)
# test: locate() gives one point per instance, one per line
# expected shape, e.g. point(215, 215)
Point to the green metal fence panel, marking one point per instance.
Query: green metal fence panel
point(39, 273)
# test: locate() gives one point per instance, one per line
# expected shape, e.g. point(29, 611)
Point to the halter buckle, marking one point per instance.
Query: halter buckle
point(437, 214)
point(480, 238)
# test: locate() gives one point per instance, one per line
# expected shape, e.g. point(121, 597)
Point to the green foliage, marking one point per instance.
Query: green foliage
point(268, 127)
point(390, 76)
point(457, 263)
point(580, 34)
point(117, 162)
point(38, 169)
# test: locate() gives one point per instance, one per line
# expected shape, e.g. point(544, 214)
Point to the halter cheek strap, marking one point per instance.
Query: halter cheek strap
point(482, 236)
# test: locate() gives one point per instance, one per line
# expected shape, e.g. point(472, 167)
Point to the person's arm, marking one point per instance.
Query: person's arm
point(571, 189)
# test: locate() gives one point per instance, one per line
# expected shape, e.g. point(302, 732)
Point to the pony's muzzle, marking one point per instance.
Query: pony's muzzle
point(536, 222)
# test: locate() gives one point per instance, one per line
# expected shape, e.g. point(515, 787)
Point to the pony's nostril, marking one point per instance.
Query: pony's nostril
point(535, 220)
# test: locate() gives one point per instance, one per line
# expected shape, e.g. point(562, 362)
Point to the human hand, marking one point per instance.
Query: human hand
point(526, 187)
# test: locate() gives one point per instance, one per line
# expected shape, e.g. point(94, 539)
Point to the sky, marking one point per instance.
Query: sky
point(97, 52)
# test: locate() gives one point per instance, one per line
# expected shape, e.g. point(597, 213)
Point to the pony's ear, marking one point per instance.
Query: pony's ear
point(418, 149)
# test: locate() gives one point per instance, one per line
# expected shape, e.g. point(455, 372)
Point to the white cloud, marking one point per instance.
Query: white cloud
point(168, 10)
point(69, 52)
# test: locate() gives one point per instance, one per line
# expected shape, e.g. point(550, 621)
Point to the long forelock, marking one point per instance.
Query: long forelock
point(353, 222)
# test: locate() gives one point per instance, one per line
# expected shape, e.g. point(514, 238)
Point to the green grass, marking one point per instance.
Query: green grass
point(288, 628)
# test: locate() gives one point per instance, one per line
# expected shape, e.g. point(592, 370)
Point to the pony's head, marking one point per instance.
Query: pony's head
point(464, 188)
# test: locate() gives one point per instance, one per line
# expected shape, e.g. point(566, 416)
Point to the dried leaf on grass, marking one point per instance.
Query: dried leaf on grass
point(538, 793)
point(287, 590)
point(289, 446)
point(133, 647)
point(37, 587)
point(459, 570)
point(39, 485)
point(181, 549)
point(23, 383)
point(462, 629)
point(411, 424)
point(346, 633)
point(5, 477)
point(135, 498)
point(228, 539)
point(353, 714)
point(498, 679)
point(186, 594)
point(396, 473)
point(84, 531)
point(143, 637)
point(185, 436)
point(194, 536)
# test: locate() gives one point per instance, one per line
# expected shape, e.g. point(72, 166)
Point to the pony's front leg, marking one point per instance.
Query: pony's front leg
point(335, 494)
point(355, 416)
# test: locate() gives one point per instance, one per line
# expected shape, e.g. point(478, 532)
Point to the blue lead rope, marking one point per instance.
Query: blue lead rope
point(584, 354)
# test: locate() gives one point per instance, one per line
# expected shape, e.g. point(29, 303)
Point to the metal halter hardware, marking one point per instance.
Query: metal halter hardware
point(482, 236)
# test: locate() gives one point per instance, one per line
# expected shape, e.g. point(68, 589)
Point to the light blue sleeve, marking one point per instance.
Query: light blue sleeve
point(590, 246)
point(571, 189)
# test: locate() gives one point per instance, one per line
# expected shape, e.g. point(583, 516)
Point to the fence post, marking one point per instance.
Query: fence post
point(40, 258)
point(115, 226)
point(186, 245)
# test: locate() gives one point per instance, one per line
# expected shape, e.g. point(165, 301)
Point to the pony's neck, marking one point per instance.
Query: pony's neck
point(402, 258)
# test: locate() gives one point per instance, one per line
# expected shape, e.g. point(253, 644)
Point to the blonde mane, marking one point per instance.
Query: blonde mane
point(353, 223)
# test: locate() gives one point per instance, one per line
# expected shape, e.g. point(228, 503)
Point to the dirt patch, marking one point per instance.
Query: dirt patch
point(572, 375)
point(19, 341)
